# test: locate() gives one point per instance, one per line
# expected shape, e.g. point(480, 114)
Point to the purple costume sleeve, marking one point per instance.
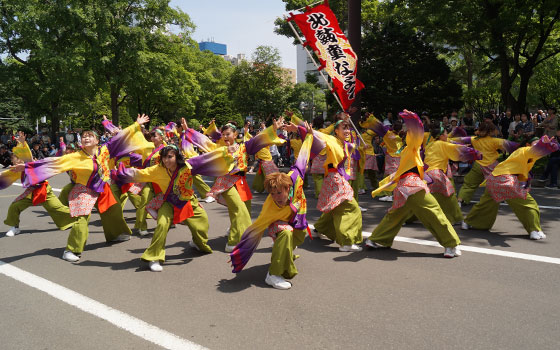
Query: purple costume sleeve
point(215, 163)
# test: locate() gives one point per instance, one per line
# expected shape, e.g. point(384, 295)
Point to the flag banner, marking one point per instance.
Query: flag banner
point(323, 35)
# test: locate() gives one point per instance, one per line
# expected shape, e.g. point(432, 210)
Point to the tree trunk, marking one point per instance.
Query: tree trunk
point(115, 104)
point(355, 39)
point(55, 122)
point(525, 76)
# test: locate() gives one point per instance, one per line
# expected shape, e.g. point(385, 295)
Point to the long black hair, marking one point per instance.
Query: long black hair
point(178, 155)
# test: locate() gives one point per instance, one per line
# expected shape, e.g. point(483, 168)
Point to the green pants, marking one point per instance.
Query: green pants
point(139, 201)
point(361, 181)
point(200, 186)
point(343, 224)
point(113, 224)
point(470, 183)
point(426, 208)
point(239, 215)
point(282, 260)
point(355, 184)
point(59, 213)
point(483, 214)
point(198, 224)
point(318, 181)
point(450, 207)
point(258, 182)
point(63, 196)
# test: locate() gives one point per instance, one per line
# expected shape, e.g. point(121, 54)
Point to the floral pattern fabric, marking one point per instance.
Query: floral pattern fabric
point(440, 183)
point(371, 162)
point(335, 190)
point(406, 187)
point(81, 200)
point(505, 187)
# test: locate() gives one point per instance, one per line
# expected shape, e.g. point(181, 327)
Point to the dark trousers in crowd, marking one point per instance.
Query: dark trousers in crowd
point(552, 170)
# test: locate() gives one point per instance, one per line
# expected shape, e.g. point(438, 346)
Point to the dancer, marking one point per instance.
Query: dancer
point(341, 218)
point(393, 146)
point(412, 197)
point(510, 182)
point(438, 153)
point(283, 214)
point(90, 173)
point(177, 203)
point(232, 189)
point(488, 145)
point(40, 194)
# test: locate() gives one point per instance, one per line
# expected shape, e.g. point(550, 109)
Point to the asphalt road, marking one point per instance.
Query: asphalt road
point(408, 297)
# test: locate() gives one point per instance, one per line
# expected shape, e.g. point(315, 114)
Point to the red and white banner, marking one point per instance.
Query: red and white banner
point(322, 33)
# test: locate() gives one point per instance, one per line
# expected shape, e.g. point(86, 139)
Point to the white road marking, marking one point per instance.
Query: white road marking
point(124, 321)
point(496, 252)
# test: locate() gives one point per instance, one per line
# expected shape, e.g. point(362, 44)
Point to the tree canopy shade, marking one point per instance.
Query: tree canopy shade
point(515, 36)
point(400, 70)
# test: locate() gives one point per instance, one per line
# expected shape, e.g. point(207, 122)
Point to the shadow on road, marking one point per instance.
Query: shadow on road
point(252, 276)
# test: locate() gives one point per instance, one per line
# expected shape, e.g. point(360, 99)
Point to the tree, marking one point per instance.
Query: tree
point(312, 98)
point(45, 56)
point(260, 87)
point(120, 36)
point(514, 36)
point(544, 87)
point(400, 70)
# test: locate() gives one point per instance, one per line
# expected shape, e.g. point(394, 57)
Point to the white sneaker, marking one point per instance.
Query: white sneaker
point(277, 282)
point(70, 256)
point(460, 203)
point(465, 226)
point(229, 248)
point(373, 245)
point(122, 238)
point(209, 199)
point(535, 235)
point(193, 245)
point(13, 231)
point(451, 252)
point(362, 191)
point(315, 234)
point(362, 209)
point(155, 266)
point(386, 199)
point(143, 232)
point(350, 248)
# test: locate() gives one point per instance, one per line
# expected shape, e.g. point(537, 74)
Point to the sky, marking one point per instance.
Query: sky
point(242, 25)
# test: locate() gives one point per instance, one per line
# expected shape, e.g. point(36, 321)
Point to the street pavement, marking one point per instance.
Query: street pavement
point(407, 297)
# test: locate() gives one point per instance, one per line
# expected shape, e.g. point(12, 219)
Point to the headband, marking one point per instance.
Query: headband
point(231, 126)
point(158, 130)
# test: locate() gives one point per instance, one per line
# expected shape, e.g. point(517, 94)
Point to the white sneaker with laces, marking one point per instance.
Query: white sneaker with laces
point(535, 235)
point(143, 232)
point(155, 266)
point(451, 252)
point(386, 199)
point(362, 191)
point(363, 209)
point(70, 256)
point(373, 245)
point(277, 282)
point(121, 238)
point(464, 226)
point(193, 245)
point(209, 199)
point(350, 248)
point(13, 231)
point(229, 248)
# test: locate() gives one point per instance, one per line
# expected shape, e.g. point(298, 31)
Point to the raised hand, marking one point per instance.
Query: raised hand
point(18, 168)
point(142, 119)
point(277, 123)
point(184, 124)
point(308, 127)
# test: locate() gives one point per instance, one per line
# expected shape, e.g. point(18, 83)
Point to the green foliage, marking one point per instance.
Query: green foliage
point(544, 87)
point(259, 88)
point(308, 99)
point(400, 70)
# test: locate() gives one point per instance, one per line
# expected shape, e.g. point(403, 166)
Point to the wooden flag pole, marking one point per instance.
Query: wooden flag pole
point(323, 75)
